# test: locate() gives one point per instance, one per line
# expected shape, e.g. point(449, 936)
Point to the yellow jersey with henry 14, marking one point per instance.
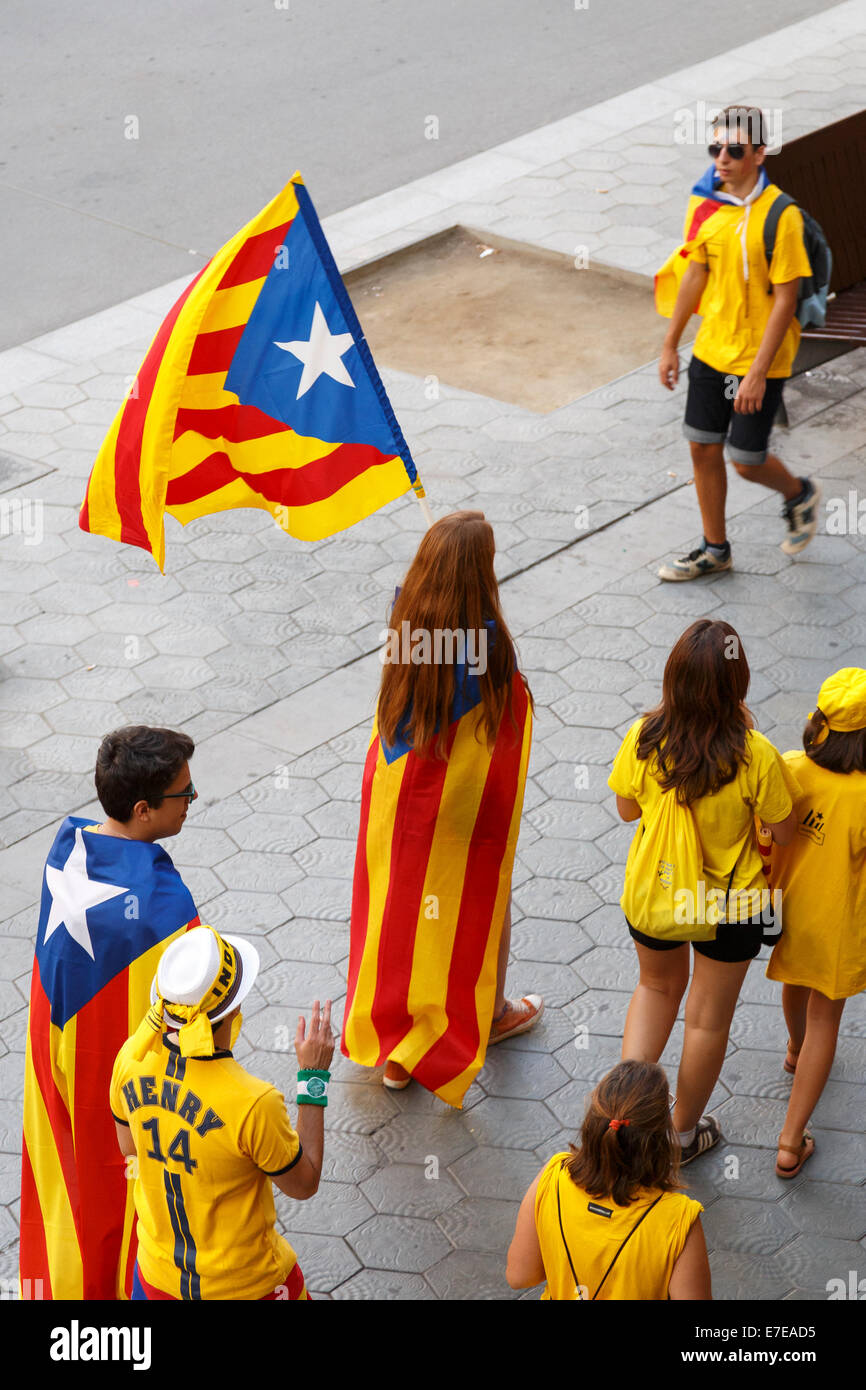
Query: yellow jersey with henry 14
point(208, 1138)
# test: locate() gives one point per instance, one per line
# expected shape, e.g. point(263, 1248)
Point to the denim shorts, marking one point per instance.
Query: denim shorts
point(711, 418)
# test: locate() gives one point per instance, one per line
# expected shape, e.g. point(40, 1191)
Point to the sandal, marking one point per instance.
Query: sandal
point(788, 1065)
point(804, 1152)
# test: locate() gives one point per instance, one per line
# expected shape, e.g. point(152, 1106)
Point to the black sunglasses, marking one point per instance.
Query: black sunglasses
point(189, 794)
point(735, 151)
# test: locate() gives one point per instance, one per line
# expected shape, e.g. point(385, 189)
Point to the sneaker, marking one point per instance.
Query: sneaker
point(516, 1018)
point(707, 1135)
point(395, 1077)
point(698, 562)
point(802, 519)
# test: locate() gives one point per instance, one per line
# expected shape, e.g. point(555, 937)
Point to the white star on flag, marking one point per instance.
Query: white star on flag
point(72, 893)
point(322, 353)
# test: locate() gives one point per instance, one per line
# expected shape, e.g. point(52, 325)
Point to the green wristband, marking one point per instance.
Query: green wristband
point(313, 1086)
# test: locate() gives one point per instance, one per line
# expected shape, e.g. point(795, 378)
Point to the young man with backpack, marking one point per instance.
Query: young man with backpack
point(745, 267)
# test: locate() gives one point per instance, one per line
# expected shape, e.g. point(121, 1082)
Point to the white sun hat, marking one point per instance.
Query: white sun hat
point(206, 967)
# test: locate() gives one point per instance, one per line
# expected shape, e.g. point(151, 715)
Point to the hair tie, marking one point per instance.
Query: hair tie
point(615, 1124)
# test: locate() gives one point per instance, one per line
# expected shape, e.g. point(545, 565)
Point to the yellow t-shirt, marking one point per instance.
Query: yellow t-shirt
point(822, 877)
point(207, 1135)
point(595, 1228)
point(736, 309)
point(725, 821)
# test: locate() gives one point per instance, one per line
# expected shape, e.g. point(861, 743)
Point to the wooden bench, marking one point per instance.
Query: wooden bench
point(826, 172)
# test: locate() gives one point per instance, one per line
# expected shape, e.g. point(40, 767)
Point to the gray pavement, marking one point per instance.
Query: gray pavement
point(136, 141)
point(265, 650)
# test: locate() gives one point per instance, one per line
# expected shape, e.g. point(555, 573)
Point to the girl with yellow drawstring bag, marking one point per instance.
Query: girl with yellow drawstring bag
point(696, 772)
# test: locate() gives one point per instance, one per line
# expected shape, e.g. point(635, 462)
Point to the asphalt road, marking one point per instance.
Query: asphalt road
point(137, 138)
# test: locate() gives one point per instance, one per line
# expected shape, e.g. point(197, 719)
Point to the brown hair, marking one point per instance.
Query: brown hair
point(642, 1150)
point(450, 587)
point(698, 732)
point(747, 118)
point(138, 763)
point(838, 752)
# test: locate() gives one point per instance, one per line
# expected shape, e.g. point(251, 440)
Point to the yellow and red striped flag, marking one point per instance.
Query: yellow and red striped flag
point(432, 878)
point(109, 909)
point(259, 390)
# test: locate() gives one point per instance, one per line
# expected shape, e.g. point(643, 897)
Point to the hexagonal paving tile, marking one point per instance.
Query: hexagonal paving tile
point(326, 1261)
point(830, 1209)
point(747, 1226)
point(518, 1073)
point(384, 1286)
point(541, 939)
point(399, 1243)
point(404, 1189)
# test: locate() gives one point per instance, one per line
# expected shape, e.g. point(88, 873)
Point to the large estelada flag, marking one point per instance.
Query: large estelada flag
point(432, 877)
point(259, 390)
point(109, 909)
point(708, 212)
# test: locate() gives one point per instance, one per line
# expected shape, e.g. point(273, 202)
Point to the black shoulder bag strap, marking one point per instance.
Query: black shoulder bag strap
point(577, 1283)
point(641, 1218)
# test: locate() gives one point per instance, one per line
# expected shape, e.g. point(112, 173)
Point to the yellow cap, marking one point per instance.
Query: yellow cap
point(842, 701)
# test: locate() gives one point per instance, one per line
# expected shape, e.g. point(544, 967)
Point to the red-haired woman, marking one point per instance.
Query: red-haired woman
point(440, 814)
point(821, 955)
point(700, 744)
point(607, 1220)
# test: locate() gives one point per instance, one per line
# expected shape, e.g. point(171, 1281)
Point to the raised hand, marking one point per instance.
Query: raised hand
point(315, 1049)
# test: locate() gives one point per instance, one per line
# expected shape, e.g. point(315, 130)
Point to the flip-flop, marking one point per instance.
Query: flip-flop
point(805, 1151)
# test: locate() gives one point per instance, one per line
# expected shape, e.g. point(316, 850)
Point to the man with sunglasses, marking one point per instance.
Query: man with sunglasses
point(747, 341)
point(112, 901)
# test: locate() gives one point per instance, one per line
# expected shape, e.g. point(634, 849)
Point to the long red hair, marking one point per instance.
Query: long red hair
point(450, 586)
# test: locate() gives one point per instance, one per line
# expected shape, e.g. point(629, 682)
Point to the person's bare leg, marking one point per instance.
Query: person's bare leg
point(710, 1007)
point(655, 1002)
point(711, 485)
point(771, 473)
point(813, 1067)
point(795, 1003)
point(502, 961)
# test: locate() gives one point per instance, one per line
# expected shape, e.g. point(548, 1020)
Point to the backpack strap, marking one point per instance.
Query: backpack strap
point(771, 223)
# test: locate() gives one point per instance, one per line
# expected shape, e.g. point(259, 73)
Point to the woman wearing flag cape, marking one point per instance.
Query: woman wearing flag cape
point(440, 815)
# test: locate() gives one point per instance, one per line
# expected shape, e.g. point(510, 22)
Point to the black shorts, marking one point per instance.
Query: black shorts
point(711, 418)
point(735, 941)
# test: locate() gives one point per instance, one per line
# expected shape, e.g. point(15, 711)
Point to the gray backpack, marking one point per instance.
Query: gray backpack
point(814, 288)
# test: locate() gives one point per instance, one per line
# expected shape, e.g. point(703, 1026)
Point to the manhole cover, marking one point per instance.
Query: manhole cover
point(505, 320)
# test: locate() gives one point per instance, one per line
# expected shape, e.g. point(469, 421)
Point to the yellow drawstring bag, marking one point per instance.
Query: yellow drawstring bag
point(665, 895)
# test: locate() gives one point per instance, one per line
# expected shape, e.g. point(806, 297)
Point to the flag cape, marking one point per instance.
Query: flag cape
point(708, 210)
point(109, 909)
point(259, 390)
point(432, 878)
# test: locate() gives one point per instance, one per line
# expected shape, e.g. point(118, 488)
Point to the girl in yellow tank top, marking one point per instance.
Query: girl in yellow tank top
point(607, 1221)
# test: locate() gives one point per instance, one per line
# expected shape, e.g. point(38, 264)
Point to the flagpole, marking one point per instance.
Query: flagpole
point(425, 509)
